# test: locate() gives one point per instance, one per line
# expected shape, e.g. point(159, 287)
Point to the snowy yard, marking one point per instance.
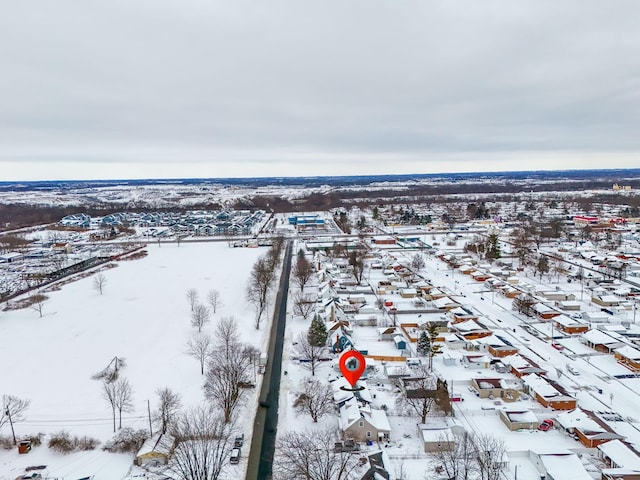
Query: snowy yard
point(143, 316)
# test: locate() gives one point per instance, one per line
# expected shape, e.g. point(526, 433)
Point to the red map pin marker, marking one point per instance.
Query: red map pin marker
point(352, 365)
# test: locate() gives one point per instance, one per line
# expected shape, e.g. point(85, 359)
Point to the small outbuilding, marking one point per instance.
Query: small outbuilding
point(157, 449)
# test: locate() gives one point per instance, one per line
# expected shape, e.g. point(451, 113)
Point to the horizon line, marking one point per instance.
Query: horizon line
point(317, 177)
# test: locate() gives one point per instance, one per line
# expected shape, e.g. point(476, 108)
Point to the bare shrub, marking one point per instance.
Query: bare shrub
point(127, 440)
point(62, 442)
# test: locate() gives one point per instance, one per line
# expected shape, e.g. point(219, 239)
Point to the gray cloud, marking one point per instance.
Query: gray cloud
point(269, 88)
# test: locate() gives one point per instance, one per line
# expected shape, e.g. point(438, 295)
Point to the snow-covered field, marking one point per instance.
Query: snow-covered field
point(144, 317)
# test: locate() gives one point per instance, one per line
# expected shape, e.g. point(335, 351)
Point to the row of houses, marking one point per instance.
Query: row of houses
point(196, 222)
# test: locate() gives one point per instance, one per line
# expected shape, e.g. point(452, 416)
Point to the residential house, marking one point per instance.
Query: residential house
point(518, 419)
point(602, 341)
point(596, 317)
point(420, 387)
point(606, 300)
point(628, 356)
point(544, 312)
point(432, 293)
point(521, 366)
point(436, 437)
point(590, 430)
point(569, 325)
point(471, 330)
point(569, 305)
point(555, 463)
point(548, 394)
point(445, 303)
point(408, 292)
point(461, 314)
point(496, 345)
point(494, 387)
point(471, 360)
point(363, 423)
point(621, 456)
point(480, 276)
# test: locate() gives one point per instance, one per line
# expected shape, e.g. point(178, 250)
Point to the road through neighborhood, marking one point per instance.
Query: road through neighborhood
point(266, 422)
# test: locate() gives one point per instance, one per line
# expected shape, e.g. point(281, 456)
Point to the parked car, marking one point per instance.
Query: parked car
point(235, 456)
point(238, 441)
point(557, 346)
point(456, 397)
point(573, 370)
point(546, 425)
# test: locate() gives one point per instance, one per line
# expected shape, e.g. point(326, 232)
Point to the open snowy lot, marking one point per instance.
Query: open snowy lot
point(142, 316)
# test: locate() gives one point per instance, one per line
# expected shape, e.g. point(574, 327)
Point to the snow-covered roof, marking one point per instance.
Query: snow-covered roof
point(541, 308)
point(437, 434)
point(443, 302)
point(566, 321)
point(564, 466)
point(598, 337)
point(158, 443)
point(541, 386)
point(620, 454)
point(520, 416)
point(628, 352)
point(610, 299)
point(379, 420)
point(578, 419)
point(468, 326)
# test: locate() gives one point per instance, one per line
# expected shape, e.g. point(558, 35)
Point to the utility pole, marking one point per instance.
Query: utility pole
point(13, 433)
point(149, 411)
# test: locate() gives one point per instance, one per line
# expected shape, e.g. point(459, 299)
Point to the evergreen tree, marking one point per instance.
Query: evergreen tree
point(424, 344)
point(434, 348)
point(493, 247)
point(317, 334)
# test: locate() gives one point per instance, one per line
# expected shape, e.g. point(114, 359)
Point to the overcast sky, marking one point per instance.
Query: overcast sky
point(207, 88)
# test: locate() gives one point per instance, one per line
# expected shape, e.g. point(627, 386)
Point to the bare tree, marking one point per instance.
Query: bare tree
point(200, 348)
point(12, 411)
point(302, 271)
point(490, 451)
point(226, 379)
point(214, 300)
point(205, 442)
point(309, 353)
point(226, 335)
point(260, 282)
point(109, 393)
point(99, 282)
point(521, 242)
point(192, 297)
point(417, 262)
point(417, 394)
point(315, 398)
point(311, 455)
point(38, 302)
point(458, 461)
point(356, 260)
point(123, 398)
point(169, 404)
point(200, 316)
point(303, 304)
